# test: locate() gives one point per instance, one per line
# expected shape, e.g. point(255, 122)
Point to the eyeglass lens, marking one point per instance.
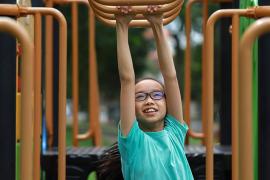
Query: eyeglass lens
point(155, 95)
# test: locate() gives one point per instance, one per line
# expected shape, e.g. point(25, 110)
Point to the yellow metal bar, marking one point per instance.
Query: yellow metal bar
point(26, 165)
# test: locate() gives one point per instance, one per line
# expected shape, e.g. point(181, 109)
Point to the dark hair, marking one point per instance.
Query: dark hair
point(109, 166)
point(149, 78)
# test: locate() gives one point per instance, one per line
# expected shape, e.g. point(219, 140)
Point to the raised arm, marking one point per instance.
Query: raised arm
point(167, 68)
point(126, 73)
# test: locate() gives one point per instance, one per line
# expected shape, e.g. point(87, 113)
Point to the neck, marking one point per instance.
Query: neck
point(152, 127)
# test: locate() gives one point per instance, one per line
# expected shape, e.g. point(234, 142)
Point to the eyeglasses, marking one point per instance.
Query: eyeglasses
point(155, 95)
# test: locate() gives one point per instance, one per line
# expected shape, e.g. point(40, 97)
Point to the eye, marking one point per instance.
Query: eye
point(157, 95)
point(140, 96)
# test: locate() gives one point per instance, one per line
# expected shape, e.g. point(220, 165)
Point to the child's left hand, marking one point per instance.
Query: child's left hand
point(152, 17)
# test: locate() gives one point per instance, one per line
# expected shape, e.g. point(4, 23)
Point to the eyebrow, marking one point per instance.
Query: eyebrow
point(149, 91)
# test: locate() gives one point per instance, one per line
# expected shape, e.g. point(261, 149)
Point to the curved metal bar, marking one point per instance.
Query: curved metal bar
point(208, 89)
point(94, 128)
point(62, 82)
point(137, 23)
point(105, 13)
point(133, 2)
point(135, 9)
point(187, 91)
point(258, 28)
point(167, 13)
point(26, 162)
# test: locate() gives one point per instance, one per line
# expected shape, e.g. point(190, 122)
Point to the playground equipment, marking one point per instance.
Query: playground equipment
point(93, 107)
point(187, 86)
point(14, 10)
point(260, 27)
point(26, 163)
point(105, 10)
point(80, 160)
point(254, 12)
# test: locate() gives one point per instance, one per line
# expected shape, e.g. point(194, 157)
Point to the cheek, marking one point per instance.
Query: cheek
point(163, 107)
point(137, 108)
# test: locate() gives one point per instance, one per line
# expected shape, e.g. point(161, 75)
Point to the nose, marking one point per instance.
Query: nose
point(149, 100)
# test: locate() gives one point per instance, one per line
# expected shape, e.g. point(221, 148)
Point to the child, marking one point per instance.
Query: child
point(152, 131)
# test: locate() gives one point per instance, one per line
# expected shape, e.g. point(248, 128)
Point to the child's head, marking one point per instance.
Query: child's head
point(150, 104)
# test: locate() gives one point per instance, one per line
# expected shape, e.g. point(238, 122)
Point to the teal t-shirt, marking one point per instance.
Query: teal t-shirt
point(155, 155)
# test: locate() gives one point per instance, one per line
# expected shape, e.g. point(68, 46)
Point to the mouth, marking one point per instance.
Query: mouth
point(150, 110)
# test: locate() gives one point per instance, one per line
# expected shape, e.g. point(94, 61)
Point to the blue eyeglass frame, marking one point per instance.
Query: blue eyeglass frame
point(151, 95)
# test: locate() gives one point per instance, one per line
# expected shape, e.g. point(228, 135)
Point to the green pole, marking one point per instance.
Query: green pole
point(18, 160)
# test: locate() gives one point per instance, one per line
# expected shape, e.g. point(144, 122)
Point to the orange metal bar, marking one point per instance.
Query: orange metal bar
point(93, 82)
point(187, 90)
point(170, 10)
point(208, 88)
point(204, 70)
point(75, 78)
point(62, 83)
point(137, 23)
point(258, 28)
point(22, 11)
point(26, 162)
point(94, 128)
point(135, 9)
point(105, 13)
point(37, 94)
point(133, 2)
point(235, 57)
point(49, 74)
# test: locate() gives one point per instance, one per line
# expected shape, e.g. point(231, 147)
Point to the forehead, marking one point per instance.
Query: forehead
point(148, 85)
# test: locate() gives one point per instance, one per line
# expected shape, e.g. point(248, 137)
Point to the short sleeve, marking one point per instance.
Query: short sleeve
point(128, 145)
point(176, 128)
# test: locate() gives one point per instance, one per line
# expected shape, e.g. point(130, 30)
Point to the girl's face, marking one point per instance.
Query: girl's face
point(151, 110)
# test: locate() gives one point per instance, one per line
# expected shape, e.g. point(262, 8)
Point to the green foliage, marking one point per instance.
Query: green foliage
point(108, 77)
point(107, 58)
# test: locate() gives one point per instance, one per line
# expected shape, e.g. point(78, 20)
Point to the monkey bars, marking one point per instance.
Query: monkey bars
point(105, 10)
point(253, 12)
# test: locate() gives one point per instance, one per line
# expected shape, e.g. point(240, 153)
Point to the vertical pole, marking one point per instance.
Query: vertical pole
point(187, 93)
point(209, 98)
point(49, 74)
point(94, 90)
point(235, 61)
point(75, 78)
point(245, 113)
point(37, 94)
point(204, 103)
